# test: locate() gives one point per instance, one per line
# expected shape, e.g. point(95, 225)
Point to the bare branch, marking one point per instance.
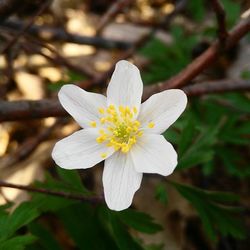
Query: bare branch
point(203, 61)
point(111, 13)
point(26, 26)
point(221, 86)
point(93, 200)
point(28, 146)
point(48, 34)
point(21, 110)
point(221, 19)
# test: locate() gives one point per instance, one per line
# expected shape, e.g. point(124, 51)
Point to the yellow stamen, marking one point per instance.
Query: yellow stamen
point(151, 125)
point(103, 155)
point(101, 111)
point(135, 110)
point(120, 129)
point(93, 124)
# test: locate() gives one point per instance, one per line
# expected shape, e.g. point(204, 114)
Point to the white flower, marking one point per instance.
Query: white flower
point(121, 131)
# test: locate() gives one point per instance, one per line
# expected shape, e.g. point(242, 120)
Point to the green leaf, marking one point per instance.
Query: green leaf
point(17, 243)
point(72, 179)
point(201, 150)
point(245, 74)
point(44, 236)
point(45, 202)
point(139, 221)
point(187, 135)
point(23, 215)
point(214, 211)
point(118, 230)
point(232, 10)
point(196, 8)
point(155, 247)
point(83, 225)
point(167, 60)
point(161, 193)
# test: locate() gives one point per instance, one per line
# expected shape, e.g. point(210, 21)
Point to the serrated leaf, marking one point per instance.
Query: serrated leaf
point(17, 243)
point(139, 221)
point(118, 231)
point(72, 179)
point(22, 215)
point(215, 215)
point(82, 223)
point(44, 237)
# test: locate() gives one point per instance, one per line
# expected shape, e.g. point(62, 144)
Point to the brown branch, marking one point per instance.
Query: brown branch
point(221, 86)
point(28, 146)
point(114, 9)
point(49, 34)
point(202, 62)
point(221, 19)
point(58, 60)
point(21, 110)
point(44, 191)
point(26, 27)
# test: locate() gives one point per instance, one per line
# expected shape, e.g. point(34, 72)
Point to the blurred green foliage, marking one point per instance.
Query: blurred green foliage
point(166, 61)
point(214, 211)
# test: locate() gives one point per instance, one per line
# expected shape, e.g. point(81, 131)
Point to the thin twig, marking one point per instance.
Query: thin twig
point(57, 59)
point(21, 110)
point(202, 62)
point(48, 34)
point(44, 191)
point(114, 9)
point(26, 27)
point(28, 146)
point(220, 86)
point(221, 19)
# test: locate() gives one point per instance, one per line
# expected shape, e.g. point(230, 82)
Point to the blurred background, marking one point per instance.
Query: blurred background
point(200, 46)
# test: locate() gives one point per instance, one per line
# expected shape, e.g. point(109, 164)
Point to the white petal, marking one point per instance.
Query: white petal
point(80, 150)
point(82, 105)
point(125, 87)
point(120, 181)
point(153, 154)
point(162, 109)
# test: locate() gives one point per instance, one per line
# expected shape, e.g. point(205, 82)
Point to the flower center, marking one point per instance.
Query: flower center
point(120, 130)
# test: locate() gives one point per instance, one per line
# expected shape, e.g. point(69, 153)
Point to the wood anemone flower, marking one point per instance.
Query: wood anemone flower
point(121, 131)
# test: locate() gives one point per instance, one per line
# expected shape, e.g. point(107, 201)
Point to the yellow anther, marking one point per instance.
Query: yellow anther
point(100, 139)
point(151, 124)
point(111, 111)
point(137, 123)
point(103, 120)
point(111, 106)
point(121, 108)
point(120, 131)
point(140, 133)
point(132, 141)
point(125, 149)
point(135, 110)
point(101, 111)
point(128, 129)
point(92, 124)
point(103, 155)
point(101, 131)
